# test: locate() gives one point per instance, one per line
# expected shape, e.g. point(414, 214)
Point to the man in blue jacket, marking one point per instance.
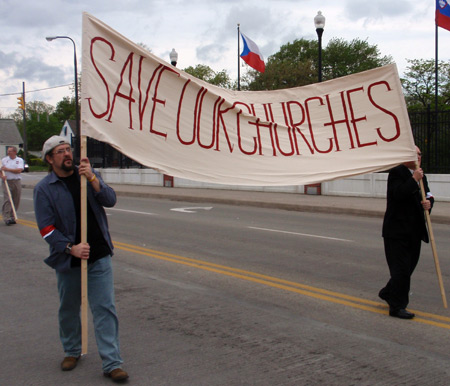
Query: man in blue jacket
point(404, 230)
point(57, 206)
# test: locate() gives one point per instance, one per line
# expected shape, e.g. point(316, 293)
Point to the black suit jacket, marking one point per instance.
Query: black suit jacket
point(404, 217)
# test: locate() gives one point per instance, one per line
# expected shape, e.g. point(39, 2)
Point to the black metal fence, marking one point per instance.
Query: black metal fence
point(430, 134)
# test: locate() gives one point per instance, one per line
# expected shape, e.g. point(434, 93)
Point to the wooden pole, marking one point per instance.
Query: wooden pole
point(433, 247)
point(10, 198)
point(84, 279)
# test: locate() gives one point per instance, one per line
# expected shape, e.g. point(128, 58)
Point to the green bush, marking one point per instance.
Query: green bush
point(34, 161)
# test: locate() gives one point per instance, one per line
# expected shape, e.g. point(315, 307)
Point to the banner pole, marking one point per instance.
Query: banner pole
point(433, 248)
point(84, 279)
point(9, 196)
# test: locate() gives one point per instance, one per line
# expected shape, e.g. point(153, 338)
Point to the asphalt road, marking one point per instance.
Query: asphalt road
point(223, 295)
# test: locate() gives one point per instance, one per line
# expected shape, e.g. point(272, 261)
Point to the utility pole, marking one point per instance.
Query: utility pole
point(22, 105)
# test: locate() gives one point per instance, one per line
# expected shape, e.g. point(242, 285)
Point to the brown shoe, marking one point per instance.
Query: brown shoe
point(117, 375)
point(69, 363)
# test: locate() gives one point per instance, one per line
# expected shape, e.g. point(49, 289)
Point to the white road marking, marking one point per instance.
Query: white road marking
point(131, 211)
point(192, 209)
point(302, 234)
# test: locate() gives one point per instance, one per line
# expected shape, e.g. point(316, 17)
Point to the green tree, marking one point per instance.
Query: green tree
point(207, 74)
point(40, 123)
point(343, 58)
point(290, 67)
point(296, 64)
point(419, 84)
point(39, 128)
point(65, 110)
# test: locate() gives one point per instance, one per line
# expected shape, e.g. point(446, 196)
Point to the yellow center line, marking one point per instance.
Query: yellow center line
point(318, 293)
point(274, 282)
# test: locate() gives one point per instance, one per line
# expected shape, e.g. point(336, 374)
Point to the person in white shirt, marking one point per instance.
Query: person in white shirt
point(12, 166)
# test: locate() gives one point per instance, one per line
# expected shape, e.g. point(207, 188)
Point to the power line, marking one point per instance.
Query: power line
point(41, 89)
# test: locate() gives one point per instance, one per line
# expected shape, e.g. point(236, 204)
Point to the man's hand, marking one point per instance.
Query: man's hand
point(426, 204)
point(418, 174)
point(85, 169)
point(81, 251)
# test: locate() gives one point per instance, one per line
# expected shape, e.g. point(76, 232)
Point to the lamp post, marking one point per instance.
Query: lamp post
point(168, 180)
point(173, 57)
point(319, 22)
point(77, 110)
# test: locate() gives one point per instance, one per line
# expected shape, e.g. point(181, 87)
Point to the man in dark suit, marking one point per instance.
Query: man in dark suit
point(404, 229)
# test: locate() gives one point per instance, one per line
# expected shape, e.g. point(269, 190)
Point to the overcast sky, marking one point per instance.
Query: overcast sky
point(201, 31)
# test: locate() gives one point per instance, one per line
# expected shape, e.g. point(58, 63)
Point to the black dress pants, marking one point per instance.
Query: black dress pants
point(402, 256)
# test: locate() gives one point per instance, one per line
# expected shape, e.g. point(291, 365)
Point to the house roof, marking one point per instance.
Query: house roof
point(73, 125)
point(9, 133)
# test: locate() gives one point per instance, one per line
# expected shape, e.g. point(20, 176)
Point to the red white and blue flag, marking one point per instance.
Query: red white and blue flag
point(443, 14)
point(252, 55)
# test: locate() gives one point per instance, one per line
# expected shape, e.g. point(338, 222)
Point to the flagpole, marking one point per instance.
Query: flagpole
point(239, 67)
point(427, 214)
point(436, 82)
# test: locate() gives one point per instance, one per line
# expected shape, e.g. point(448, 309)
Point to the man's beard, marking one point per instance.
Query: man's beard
point(67, 168)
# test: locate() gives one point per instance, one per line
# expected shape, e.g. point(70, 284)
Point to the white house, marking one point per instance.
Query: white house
point(9, 136)
point(68, 131)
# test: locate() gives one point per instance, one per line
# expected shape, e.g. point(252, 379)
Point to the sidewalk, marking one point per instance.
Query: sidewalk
point(360, 206)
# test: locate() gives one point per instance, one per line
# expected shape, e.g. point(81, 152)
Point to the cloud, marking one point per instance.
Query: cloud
point(376, 10)
point(210, 52)
point(30, 69)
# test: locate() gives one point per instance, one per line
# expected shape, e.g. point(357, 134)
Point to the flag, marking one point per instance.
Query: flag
point(251, 54)
point(443, 14)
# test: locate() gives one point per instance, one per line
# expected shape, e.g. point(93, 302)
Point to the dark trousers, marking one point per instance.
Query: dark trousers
point(402, 256)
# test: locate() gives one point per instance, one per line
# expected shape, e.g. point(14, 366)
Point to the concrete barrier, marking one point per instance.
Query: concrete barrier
point(365, 185)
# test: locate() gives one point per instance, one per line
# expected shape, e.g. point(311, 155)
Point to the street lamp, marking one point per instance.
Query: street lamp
point(319, 22)
point(173, 57)
point(168, 180)
point(77, 110)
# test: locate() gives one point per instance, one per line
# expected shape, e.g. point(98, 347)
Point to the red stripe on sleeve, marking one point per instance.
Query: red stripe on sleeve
point(47, 231)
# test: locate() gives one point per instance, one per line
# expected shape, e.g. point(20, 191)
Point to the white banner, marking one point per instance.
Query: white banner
point(168, 120)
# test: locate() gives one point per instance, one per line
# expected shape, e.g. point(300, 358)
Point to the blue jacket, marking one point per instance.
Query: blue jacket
point(56, 218)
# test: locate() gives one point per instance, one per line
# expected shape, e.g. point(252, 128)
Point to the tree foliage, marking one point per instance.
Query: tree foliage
point(290, 67)
point(40, 123)
point(296, 64)
point(65, 110)
point(207, 74)
point(343, 58)
point(419, 84)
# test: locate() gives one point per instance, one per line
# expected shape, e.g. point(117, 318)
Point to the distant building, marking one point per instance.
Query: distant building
point(9, 136)
point(68, 131)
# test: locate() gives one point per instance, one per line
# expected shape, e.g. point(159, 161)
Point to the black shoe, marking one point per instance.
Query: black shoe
point(12, 221)
point(401, 313)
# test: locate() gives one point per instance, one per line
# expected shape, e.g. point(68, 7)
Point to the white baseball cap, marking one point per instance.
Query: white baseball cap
point(51, 143)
